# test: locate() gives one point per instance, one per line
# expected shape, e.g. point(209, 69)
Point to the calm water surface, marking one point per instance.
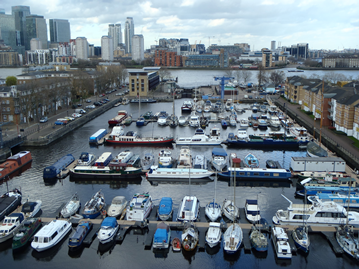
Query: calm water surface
point(131, 253)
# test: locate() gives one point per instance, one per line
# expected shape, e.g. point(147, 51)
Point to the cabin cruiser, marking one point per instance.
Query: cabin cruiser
point(200, 162)
point(187, 106)
point(201, 139)
point(189, 209)
point(185, 158)
point(219, 158)
point(194, 121)
point(165, 210)
point(165, 159)
point(243, 123)
point(10, 225)
point(272, 110)
point(87, 158)
point(71, 207)
point(182, 121)
point(123, 157)
point(252, 211)
point(147, 161)
point(214, 234)
point(229, 104)
point(108, 230)
point(274, 122)
point(162, 236)
point(139, 207)
point(262, 124)
point(162, 120)
point(281, 244)
point(117, 206)
point(30, 209)
point(300, 133)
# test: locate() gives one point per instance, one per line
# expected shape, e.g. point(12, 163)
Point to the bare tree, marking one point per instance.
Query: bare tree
point(277, 77)
point(333, 77)
point(262, 75)
point(246, 75)
point(314, 76)
point(228, 72)
point(123, 74)
point(164, 73)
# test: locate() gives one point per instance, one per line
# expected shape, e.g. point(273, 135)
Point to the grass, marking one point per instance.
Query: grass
point(356, 141)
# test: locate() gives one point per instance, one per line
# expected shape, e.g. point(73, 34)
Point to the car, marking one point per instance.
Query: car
point(102, 94)
point(119, 94)
point(59, 123)
point(69, 118)
point(76, 115)
point(88, 101)
point(250, 97)
point(106, 99)
point(64, 120)
point(97, 104)
point(90, 106)
point(79, 105)
point(44, 119)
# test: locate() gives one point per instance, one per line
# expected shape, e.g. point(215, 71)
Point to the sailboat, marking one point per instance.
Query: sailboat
point(258, 240)
point(229, 209)
point(300, 234)
point(141, 121)
point(213, 209)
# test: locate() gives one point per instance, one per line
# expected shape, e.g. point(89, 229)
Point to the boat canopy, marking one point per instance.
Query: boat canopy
point(109, 222)
point(160, 236)
point(119, 200)
point(252, 202)
point(28, 207)
point(165, 206)
point(219, 152)
point(17, 215)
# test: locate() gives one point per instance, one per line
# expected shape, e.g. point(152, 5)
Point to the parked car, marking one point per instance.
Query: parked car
point(90, 106)
point(76, 115)
point(120, 94)
point(44, 119)
point(64, 120)
point(106, 99)
point(59, 123)
point(70, 118)
point(97, 104)
point(79, 105)
point(88, 101)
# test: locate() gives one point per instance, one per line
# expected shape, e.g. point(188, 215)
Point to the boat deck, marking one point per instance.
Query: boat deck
point(66, 171)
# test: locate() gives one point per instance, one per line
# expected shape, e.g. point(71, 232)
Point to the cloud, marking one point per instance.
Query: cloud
point(216, 22)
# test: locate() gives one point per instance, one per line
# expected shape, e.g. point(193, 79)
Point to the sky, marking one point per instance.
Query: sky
point(323, 24)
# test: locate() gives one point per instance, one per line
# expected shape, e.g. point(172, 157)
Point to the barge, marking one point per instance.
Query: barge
point(14, 163)
point(96, 137)
point(54, 171)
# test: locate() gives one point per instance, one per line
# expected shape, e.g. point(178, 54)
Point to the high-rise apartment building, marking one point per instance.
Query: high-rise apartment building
point(272, 45)
point(35, 44)
point(129, 33)
point(138, 48)
point(36, 28)
point(59, 30)
point(107, 48)
point(114, 30)
point(81, 48)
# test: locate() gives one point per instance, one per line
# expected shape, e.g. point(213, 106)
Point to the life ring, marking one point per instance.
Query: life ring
point(186, 247)
point(103, 212)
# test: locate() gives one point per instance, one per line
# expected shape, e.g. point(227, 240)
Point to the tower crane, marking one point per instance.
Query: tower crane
point(222, 82)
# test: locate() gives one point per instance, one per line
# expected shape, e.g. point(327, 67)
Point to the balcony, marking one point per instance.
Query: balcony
point(330, 117)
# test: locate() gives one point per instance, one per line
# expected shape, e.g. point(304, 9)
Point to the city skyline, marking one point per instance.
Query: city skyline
point(321, 24)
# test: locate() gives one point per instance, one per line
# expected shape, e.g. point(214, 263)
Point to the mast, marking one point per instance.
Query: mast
point(321, 114)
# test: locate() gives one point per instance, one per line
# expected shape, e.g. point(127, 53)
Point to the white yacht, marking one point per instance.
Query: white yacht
point(189, 209)
point(117, 206)
point(185, 158)
point(243, 123)
point(50, 235)
point(165, 159)
point(10, 225)
point(219, 158)
point(274, 122)
point(318, 214)
point(108, 230)
point(182, 120)
point(280, 242)
point(214, 234)
point(30, 209)
point(252, 211)
point(230, 210)
point(232, 238)
point(194, 121)
point(139, 207)
point(201, 139)
point(162, 121)
point(213, 211)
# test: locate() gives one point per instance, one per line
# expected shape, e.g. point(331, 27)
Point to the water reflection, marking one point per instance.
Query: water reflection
point(214, 250)
point(107, 248)
point(161, 253)
point(114, 184)
point(17, 173)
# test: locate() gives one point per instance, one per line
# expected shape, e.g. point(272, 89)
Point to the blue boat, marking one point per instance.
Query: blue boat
point(141, 121)
point(251, 161)
point(75, 241)
point(339, 198)
point(315, 190)
point(224, 124)
point(94, 206)
point(165, 210)
point(53, 171)
point(162, 237)
point(257, 173)
point(96, 137)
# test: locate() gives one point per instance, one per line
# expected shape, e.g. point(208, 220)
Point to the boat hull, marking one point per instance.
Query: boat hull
point(114, 176)
point(257, 174)
point(142, 142)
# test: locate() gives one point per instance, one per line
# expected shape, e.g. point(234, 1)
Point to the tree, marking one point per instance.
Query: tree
point(334, 77)
point(246, 75)
point(262, 75)
point(238, 75)
point(228, 72)
point(11, 80)
point(164, 73)
point(277, 77)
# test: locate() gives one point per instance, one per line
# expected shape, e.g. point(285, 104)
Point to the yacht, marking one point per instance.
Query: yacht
point(10, 225)
point(219, 158)
point(213, 211)
point(318, 214)
point(281, 244)
point(189, 209)
point(232, 238)
point(272, 110)
point(165, 159)
point(274, 122)
point(230, 210)
point(50, 235)
point(139, 207)
point(262, 124)
point(201, 139)
point(348, 241)
point(162, 120)
point(194, 121)
point(214, 234)
point(108, 230)
point(117, 206)
point(185, 158)
point(252, 211)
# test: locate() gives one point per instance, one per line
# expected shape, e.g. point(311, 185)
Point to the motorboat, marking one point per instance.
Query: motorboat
point(108, 230)
point(186, 106)
point(200, 162)
point(24, 234)
point(194, 121)
point(262, 108)
point(229, 104)
point(339, 198)
point(165, 159)
point(252, 211)
point(117, 206)
point(214, 234)
point(139, 207)
point(165, 210)
point(148, 115)
point(232, 121)
point(258, 240)
point(30, 209)
point(315, 150)
point(182, 121)
point(274, 122)
point(347, 240)
point(281, 244)
point(301, 238)
point(71, 207)
point(189, 209)
point(232, 238)
point(262, 124)
point(86, 159)
point(230, 210)
point(189, 237)
point(224, 124)
point(300, 133)
point(50, 235)
point(176, 173)
point(94, 206)
point(10, 225)
point(147, 160)
point(121, 115)
point(128, 120)
point(162, 236)
point(132, 138)
point(141, 121)
point(243, 123)
point(251, 161)
point(162, 120)
point(219, 158)
point(213, 211)
point(172, 121)
point(201, 139)
point(9, 201)
point(185, 158)
point(82, 230)
point(317, 214)
point(123, 157)
point(176, 244)
point(272, 110)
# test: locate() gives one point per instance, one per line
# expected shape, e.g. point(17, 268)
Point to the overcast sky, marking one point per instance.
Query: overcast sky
point(324, 24)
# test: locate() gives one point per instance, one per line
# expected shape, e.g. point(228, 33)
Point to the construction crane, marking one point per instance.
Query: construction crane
point(209, 41)
point(223, 81)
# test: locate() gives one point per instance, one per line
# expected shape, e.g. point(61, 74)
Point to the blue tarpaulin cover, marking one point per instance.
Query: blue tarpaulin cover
point(219, 151)
point(109, 222)
point(165, 206)
point(160, 236)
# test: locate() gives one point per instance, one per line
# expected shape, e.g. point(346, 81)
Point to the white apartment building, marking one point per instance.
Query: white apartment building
point(138, 48)
point(107, 48)
point(81, 48)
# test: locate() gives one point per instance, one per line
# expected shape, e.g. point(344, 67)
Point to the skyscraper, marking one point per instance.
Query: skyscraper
point(138, 48)
point(272, 45)
point(107, 48)
point(20, 13)
point(81, 48)
point(7, 28)
point(129, 32)
point(114, 30)
point(59, 30)
point(36, 28)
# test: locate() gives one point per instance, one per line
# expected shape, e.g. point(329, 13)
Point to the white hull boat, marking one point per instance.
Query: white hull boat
point(252, 211)
point(71, 207)
point(139, 207)
point(189, 237)
point(30, 209)
point(230, 210)
point(201, 139)
point(10, 225)
point(280, 242)
point(232, 238)
point(183, 173)
point(189, 209)
point(213, 211)
point(117, 206)
point(214, 234)
point(108, 230)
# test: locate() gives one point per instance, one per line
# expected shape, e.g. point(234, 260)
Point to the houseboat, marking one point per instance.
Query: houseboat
point(14, 163)
point(54, 171)
point(10, 225)
point(257, 173)
point(121, 116)
point(9, 201)
point(82, 230)
point(176, 173)
point(189, 209)
point(201, 139)
point(136, 140)
point(96, 137)
point(104, 159)
point(25, 233)
point(139, 207)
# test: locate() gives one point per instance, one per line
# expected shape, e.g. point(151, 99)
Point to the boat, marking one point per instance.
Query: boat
point(274, 122)
point(162, 120)
point(347, 240)
point(213, 210)
point(321, 178)
point(116, 131)
point(176, 244)
point(24, 234)
point(10, 225)
point(243, 123)
point(162, 236)
point(301, 238)
point(97, 137)
point(147, 161)
point(125, 101)
point(122, 157)
point(300, 133)
point(182, 121)
point(252, 211)
point(194, 121)
point(86, 159)
point(262, 124)
point(189, 209)
point(314, 150)
point(230, 210)
point(273, 164)
point(165, 159)
point(141, 121)
point(185, 158)
point(108, 230)
point(219, 158)
point(127, 121)
point(172, 173)
point(9, 201)
point(232, 238)
point(139, 207)
point(186, 106)
point(30, 209)
point(189, 237)
point(71, 207)
point(133, 139)
point(201, 139)
point(258, 240)
point(229, 104)
point(232, 121)
point(117, 206)
point(340, 198)
point(224, 124)
point(263, 108)
point(272, 110)
point(281, 244)
point(251, 161)
point(173, 121)
point(14, 163)
point(203, 122)
point(165, 210)
point(214, 234)
point(50, 235)
point(317, 214)
point(54, 171)
point(257, 173)
point(82, 230)
point(104, 159)
point(143, 100)
point(121, 116)
point(287, 124)
point(148, 115)
point(94, 206)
